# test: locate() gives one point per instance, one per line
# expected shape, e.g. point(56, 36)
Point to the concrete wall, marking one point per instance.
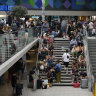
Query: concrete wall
point(63, 13)
point(60, 13)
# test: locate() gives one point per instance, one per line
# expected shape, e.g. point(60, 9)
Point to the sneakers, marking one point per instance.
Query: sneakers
point(63, 37)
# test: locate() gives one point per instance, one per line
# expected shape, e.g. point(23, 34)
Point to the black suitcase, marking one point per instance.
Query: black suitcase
point(19, 88)
point(39, 84)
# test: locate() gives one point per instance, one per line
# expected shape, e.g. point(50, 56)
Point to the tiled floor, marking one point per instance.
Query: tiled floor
point(58, 91)
point(54, 91)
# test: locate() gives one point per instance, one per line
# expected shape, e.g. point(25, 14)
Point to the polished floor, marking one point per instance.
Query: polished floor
point(6, 90)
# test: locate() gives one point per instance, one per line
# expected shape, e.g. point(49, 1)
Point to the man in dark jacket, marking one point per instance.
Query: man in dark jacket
point(1, 27)
point(14, 81)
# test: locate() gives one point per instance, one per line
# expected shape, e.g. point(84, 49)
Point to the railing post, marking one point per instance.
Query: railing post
point(43, 10)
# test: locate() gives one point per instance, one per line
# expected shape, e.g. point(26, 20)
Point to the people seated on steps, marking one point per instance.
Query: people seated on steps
point(82, 61)
point(74, 73)
point(72, 43)
point(44, 52)
point(76, 45)
point(50, 49)
point(75, 63)
point(77, 50)
point(83, 75)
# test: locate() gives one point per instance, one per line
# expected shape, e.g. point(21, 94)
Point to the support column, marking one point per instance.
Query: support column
point(43, 10)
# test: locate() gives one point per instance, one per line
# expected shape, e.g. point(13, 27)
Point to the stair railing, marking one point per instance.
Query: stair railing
point(89, 66)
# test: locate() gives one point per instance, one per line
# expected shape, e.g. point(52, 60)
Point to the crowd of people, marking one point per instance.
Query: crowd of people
point(77, 50)
point(73, 30)
point(16, 25)
point(16, 35)
point(76, 32)
point(46, 60)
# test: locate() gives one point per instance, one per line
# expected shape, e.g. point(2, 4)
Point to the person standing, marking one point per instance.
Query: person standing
point(90, 28)
point(66, 57)
point(45, 26)
point(58, 69)
point(1, 29)
point(14, 81)
point(64, 28)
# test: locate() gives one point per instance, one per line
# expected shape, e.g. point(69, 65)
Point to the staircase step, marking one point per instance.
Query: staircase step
point(60, 55)
point(92, 50)
point(60, 58)
point(61, 39)
point(60, 48)
point(66, 78)
point(93, 62)
point(92, 53)
point(65, 81)
point(62, 84)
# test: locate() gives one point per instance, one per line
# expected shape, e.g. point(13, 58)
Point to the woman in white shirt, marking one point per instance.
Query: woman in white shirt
point(66, 57)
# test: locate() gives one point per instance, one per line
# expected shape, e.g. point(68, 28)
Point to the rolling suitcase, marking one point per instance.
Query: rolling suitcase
point(39, 84)
point(84, 83)
point(19, 88)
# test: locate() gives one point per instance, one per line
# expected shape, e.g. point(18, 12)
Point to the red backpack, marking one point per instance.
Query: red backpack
point(76, 85)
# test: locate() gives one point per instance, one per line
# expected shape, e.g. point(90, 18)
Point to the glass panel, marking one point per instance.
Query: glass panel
point(10, 43)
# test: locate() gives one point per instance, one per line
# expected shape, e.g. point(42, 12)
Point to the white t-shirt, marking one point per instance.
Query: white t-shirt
point(28, 23)
point(65, 57)
point(91, 25)
point(94, 31)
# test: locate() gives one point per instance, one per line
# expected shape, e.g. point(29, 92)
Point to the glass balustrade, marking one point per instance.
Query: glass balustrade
point(11, 43)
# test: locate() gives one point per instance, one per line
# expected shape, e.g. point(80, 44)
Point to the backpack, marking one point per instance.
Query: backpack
point(76, 85)
point(57, 70)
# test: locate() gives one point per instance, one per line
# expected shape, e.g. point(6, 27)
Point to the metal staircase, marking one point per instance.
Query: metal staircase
point(92, 54)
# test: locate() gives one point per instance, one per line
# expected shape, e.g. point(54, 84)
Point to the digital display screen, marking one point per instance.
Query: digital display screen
point(10, 8)
point(71, 5)
point(66, 5)
point(3, 7)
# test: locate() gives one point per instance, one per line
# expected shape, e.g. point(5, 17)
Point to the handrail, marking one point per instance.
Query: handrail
point(11, 42)
point(89, 66)
point(92, 76)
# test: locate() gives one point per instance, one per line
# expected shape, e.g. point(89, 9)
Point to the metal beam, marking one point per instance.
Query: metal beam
point(62, 13)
